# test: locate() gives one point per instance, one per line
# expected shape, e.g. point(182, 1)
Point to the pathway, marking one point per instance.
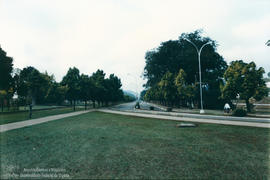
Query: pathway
point(16, 125)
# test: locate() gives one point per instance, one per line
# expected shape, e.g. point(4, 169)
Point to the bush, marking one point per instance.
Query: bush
point(239, 112)
point(151, 108)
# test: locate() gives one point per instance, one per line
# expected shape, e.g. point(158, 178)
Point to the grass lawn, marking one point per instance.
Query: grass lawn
point(100, 145)
point(21, 116)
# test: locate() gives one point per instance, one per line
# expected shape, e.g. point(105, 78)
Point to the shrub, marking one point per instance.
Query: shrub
point(151, 108)
point(239, 112)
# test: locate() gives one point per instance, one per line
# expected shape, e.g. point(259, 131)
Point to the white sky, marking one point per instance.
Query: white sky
point(113, 35)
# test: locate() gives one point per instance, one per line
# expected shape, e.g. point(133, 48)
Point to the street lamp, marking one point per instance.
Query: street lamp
point(200, 76)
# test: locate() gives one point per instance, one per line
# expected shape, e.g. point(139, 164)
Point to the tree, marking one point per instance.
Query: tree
point(167, 88)
point(56, 93)
point(6, 80)
point(86, 89)
point(32, 85)
point(185, 91)
point(268, 43)
point(245, 80)
point(113, 85)
point(179, 54)
point(6, 68)
point(71, 80)
point(98, 78)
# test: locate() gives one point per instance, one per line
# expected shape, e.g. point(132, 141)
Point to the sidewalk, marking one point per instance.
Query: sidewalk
point(177, 118)
point(16, 125)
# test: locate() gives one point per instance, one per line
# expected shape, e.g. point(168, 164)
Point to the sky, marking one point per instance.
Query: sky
point(114, 35)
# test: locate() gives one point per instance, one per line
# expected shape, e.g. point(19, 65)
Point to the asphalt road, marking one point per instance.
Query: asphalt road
point(130, 106)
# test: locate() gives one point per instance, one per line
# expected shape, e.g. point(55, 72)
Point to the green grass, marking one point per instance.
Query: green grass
point(21, 116)
point(99, 145)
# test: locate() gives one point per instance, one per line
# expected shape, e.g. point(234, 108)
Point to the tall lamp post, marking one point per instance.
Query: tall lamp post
point(200, 74)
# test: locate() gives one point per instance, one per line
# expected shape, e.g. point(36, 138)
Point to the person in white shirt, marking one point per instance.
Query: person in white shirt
point(227, 108)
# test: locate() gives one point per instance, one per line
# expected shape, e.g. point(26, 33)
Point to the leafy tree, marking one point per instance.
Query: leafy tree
point(167, 87)
point(6, 68)
point(268, 43)
point(98, 79)
point(32, 85)
point(246, 80)
point(185, 91)
point(71, 80)
point(6, 80)
point(142, 94)
point(113, 86)
point(56, 93)
point(86, 88)
point(180, 54)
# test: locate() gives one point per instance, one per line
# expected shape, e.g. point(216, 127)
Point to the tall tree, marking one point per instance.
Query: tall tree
point(32, 85)
point(268, 43)
point(6, 68)
point(114, 85)
point(167, 88)
point(71, 80)
point(185, 92)
point(86, 89)
point(6, 81)
point(245, 80)
point(180, 54)
point(98, 78)
point(56, 93)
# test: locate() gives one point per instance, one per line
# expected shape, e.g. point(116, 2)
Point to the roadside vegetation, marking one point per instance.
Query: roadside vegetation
point(173, 78)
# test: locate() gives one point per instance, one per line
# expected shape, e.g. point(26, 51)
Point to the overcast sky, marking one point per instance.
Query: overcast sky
point(113, 35)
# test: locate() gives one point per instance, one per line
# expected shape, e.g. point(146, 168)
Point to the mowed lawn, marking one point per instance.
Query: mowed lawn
point(100, 145)
point(6, 118)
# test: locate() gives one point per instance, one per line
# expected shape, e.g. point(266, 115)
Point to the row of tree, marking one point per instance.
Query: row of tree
point(34, 87)
point(173, 78)
point(173, 90)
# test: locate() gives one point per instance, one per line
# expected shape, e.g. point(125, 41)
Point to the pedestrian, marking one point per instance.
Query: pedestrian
point(227, 108)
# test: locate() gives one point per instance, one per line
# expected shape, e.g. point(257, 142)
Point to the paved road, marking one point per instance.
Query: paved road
point(130, 106)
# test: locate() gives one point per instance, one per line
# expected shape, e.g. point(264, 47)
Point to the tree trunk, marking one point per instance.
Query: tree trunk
point(2, 104)
point(248, 105)
point(74, 102)
point(8, 104)
point(85, 105)
point(94, 103)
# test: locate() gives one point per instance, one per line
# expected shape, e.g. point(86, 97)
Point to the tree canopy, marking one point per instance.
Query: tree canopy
point(245, 80)
point(6, 67)
point(173, 55)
